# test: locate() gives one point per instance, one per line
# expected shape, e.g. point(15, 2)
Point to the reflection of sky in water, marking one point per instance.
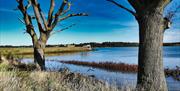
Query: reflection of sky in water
point(119, 54)
point(122, 54)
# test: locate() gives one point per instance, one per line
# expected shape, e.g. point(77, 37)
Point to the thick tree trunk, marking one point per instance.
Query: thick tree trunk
point(150, 70)
point(39, 56)
point(39, 47)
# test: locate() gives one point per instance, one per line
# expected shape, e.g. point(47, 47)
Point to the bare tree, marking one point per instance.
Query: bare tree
point(152, 24)
point(45, 26)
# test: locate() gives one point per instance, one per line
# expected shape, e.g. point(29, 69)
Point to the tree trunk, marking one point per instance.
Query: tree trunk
point(150, 70)
point(39, 56)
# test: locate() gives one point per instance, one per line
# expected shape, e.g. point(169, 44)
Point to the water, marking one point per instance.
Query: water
point(171, 56)
point(122, 54)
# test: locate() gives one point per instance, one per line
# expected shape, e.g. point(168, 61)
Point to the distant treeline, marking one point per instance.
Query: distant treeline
point(121, 44)
point(109, 44)
point(95, 44)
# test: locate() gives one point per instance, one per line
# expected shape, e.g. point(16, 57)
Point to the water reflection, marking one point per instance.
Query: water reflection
point(84, 54)
point(118, 54)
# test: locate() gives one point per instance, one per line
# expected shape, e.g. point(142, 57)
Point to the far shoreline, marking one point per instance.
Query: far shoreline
point(92, 44)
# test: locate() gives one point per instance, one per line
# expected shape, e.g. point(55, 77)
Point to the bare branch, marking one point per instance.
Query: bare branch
point(138, 5)
point(72, 15)
point(61, 7)
point(50, 14)
point(37, 14)
point(27, 21)
point(44, 20)
point(121, 6)
point(63, 29)
point(68, 8)
point(59, 13)
point(167, 23)
point(29, 4)
point(21, 21)
point(172, 13)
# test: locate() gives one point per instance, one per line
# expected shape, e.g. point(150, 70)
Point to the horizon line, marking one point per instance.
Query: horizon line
point(81, 43)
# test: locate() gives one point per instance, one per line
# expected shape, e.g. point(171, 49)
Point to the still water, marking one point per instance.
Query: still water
point(171, 56)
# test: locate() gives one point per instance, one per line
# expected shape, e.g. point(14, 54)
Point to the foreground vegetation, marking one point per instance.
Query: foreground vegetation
point(16, 76)
point(49, 81)
point(122, 67)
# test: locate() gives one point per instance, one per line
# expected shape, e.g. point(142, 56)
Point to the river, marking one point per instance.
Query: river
point(171, 57)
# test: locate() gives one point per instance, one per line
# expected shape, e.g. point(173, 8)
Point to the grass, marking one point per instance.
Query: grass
point(28, 52)
point(50, 81)
point(12, 78)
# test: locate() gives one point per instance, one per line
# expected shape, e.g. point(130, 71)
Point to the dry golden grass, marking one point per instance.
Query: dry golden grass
point(50, 81)
point(28, 52)
point(15, 79)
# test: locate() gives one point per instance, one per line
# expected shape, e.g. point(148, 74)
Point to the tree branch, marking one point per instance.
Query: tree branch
point(121, 6)
point(50, 13)
point(27, 21)
point(167, 23)
point(172, 13)
point(61, 8)
point(138, 5)
point(68, 8)
point(63, 29)
point(72, 15)
point(168, 19)
point(29, 4)
point(21, 21)
point(37, 14)
point(44, 19)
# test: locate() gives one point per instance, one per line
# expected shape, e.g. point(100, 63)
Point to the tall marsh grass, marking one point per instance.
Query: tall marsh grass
point(107, 65)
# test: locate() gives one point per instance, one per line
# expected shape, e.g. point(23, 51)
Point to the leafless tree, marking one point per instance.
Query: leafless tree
point(152, 24)
point(45, 25)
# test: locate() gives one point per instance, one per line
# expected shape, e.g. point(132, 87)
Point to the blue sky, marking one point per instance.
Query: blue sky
point(106, 22)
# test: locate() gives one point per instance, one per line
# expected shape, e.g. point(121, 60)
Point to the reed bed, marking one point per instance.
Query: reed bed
point(122, 67)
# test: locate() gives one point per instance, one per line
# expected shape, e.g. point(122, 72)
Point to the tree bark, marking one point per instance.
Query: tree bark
point(39, 47)
point(150, 70)
point(39, 57)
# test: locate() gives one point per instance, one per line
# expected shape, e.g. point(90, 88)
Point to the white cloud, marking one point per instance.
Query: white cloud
point(172, 35)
